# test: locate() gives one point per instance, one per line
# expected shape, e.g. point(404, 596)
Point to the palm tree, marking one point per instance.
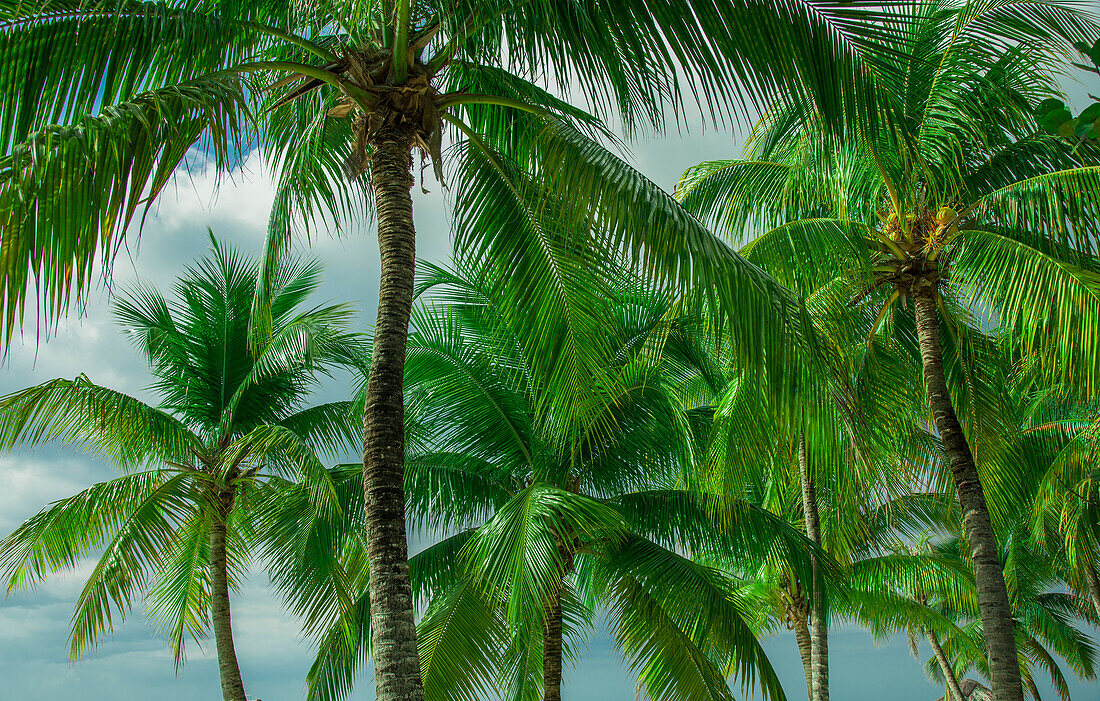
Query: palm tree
point(961, 203)
point(106, 98)
point(179, 526)
point(1041, 529)
point(554, 492)
point(828, 466)
point(1056, 438)
point(841, 452)
point(1044, 613)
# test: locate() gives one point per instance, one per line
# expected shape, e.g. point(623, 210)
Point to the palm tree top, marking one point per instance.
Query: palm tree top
point(211, 391)
point(131, 85)
point(203, 465)
point(193, 342)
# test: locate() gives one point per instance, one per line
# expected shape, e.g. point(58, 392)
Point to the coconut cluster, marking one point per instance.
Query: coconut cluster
point(913, 247)
point(924, 232)
point(375, 102)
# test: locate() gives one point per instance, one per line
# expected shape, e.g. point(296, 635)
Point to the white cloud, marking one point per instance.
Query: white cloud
point(35, 478)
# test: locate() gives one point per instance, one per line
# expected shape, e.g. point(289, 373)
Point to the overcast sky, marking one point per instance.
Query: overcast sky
point(134, 663)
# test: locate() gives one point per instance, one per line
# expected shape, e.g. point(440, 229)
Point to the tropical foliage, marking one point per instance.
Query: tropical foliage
point(179, 527)
point(104, 99)
point(961, 206)
point(547, 513)
point(850, 376)
point(1056, 118)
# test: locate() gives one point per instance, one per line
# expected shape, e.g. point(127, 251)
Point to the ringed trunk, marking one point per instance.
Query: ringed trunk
point(945, 667)
point(552, 632)
point(819, 628)
point(993, 603)
point(551, 651)
point(393, 629)
point(228, 669)
point(802, 637)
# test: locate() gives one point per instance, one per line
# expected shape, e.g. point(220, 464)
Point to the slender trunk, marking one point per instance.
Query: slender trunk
point(802, 637)
point(552, 632)
point(228, 669)
point(945, 667)
point(1093, 583)
point(393, 629)
point(993, 603)
point(797, 612)
point(551, 651)
point(819, 625)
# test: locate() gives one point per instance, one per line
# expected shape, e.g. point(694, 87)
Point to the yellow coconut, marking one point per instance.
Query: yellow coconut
point(945, 216)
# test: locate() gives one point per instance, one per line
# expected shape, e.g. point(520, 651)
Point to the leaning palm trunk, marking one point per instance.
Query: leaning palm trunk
point(228, 669)
point(945, 667)
point(819, 630)
point(393, 629)
point(996, 613)
point(551, 651)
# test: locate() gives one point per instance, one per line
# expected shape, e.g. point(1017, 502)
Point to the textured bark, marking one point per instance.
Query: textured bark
point(975, 691)
point(819, 625)
point(802, 637)
point(552, 633)
point(1093, 583)
point(393, 629)
point(551, 651)
point(993, 603)
point(945, 667)
point(796, 614)
point(228, 669)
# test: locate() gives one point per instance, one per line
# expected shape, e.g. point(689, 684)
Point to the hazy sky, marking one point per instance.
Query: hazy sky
point(134, 663)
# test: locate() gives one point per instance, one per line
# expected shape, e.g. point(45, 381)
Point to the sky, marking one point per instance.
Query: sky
point(133, 662)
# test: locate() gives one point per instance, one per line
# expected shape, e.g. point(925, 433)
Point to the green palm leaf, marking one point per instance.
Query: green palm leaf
point(77, 412)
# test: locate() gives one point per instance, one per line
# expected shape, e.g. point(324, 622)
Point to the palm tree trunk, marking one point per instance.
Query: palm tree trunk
point(228, 669)
point(802, 637)
point(393, 629)
point(552, 633)
point(945, 667)
point(796, 610)
point(551, 651)
point(819, 628)
point(993, 603)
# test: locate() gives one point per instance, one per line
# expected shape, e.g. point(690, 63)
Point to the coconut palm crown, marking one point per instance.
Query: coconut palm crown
point(962, 207)
point(178, 528)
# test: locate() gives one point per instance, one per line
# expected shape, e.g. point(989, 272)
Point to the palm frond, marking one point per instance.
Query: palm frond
point(69, 193)
point(519, 551)
point(110, 424)
point(680, 622)
point(460, 638)
point(179, 599)
point(1045, 297)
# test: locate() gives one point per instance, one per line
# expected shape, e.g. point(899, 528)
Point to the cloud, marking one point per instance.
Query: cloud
point(34, 478)
point(199, 197)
